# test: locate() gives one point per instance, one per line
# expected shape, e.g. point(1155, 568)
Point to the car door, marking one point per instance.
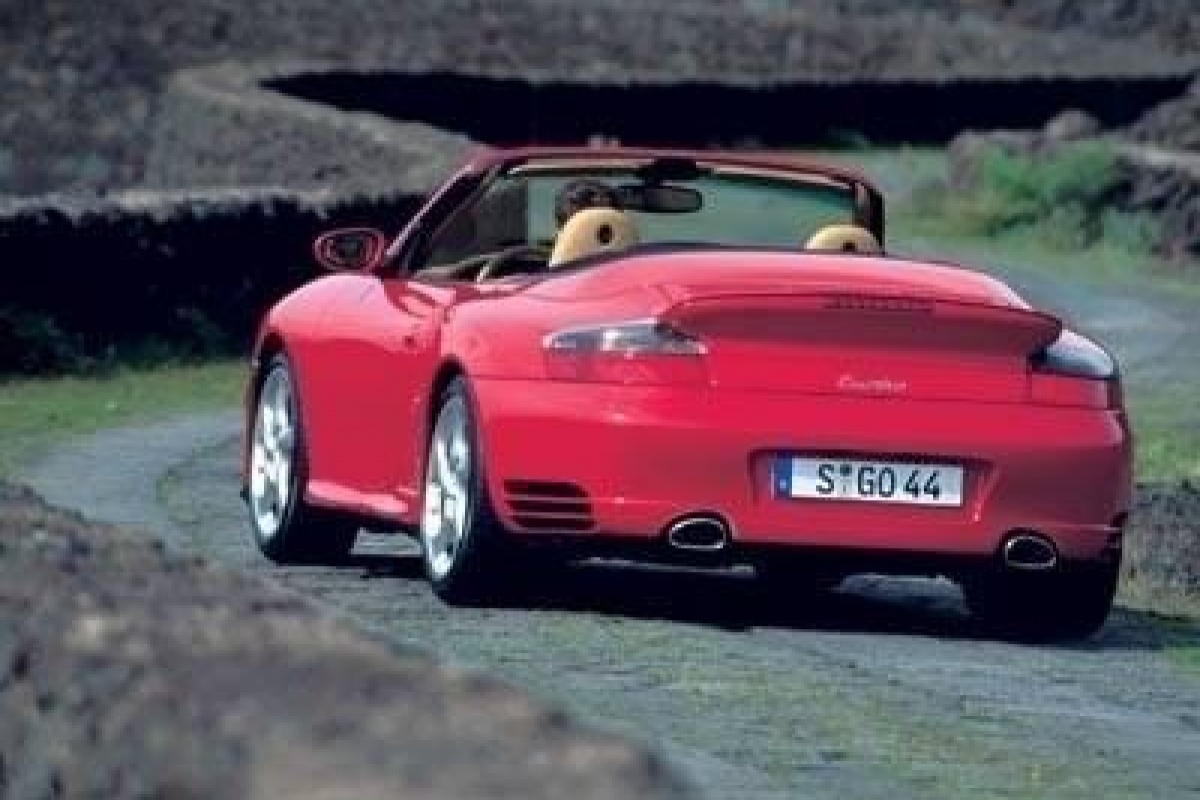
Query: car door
point(381, 350)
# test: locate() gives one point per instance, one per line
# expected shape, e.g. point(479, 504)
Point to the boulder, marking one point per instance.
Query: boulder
point(1174, 125)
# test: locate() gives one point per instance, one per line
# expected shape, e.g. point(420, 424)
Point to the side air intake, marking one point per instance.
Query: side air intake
point(549, 506)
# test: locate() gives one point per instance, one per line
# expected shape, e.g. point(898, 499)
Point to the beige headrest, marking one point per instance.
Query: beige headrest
point(593, 230)
point(845, 239)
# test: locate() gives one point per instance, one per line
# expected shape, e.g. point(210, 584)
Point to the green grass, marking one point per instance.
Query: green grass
point(1166, 432)
point(1175, 623)
point(1049, 215)
point(37, 413)
point(1112, 262)
point(1185, 657)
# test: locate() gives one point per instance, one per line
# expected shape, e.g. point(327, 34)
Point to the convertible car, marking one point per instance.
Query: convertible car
point(708, 358)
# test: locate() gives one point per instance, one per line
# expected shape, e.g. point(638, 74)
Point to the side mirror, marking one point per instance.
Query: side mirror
point(350, 249)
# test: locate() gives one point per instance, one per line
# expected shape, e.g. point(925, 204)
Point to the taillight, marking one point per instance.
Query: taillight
point(1075, 371)
point(635, 352)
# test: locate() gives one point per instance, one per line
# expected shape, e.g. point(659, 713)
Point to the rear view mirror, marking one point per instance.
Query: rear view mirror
point(659, 198)
point(350, 249)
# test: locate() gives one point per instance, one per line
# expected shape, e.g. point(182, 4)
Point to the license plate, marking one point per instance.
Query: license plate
point(869, 481)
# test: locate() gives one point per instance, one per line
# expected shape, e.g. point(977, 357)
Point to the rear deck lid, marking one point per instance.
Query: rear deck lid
point(866, 344)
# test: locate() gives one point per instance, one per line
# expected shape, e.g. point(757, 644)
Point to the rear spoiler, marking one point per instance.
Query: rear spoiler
point(866, 320)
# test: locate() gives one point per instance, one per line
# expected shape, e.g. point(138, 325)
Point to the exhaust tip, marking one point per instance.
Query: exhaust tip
point(699, 532)
point(1029, 551)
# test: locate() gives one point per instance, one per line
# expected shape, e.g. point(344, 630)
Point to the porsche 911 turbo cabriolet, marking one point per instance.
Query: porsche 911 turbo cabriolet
point(672, 355)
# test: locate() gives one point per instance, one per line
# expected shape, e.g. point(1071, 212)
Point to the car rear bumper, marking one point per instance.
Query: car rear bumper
point(622, 461)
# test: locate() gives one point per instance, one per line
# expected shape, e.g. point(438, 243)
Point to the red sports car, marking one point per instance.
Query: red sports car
point(675, 355)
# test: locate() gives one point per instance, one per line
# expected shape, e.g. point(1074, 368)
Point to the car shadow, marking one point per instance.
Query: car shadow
point(404, 566)
point(736, 601)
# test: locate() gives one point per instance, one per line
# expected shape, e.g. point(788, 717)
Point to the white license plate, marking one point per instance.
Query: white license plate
point(870, 481)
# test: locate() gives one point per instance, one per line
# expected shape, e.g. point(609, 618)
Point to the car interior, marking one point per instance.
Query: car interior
point(506, 231)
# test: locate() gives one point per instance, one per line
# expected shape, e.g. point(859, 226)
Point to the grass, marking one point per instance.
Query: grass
point(37, 413)
point(1052, 215)
point(1106, 261)
point(1166, 432)
point(1184, 656)
point(1176, 624)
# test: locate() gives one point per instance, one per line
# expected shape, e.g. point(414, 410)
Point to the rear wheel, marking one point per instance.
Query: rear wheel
point(286, 528)
point(460, 535)
point(1070, 603)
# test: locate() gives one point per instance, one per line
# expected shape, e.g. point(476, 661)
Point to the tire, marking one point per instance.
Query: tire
point(461, 538)
point(287, 529)
point(1070, 603)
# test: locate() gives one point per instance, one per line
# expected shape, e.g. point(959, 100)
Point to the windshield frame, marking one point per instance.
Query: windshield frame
point(867, 201)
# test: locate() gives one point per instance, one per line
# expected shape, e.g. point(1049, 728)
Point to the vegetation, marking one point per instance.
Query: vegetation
point(1065, 200)
point(36, 413)
point(90, 284)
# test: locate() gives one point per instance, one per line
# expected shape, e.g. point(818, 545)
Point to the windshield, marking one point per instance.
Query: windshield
point(715, 206)
point(735, 210)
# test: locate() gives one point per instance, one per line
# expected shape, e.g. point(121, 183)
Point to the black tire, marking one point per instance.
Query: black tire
point(473, 574)
point(305, 534)
point(1068, 603)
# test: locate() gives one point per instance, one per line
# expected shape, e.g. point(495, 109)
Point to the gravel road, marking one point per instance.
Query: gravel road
point(882, 689)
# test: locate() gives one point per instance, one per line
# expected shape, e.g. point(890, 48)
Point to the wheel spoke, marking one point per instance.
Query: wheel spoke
point(258, 469)
point(283, 412)
point(443, 540)
point(260, 427)
point(283, 475)
point(267, 425)
point(433, 506)
point(461, 457)
point(445, 472)
point(285, 440)
point(460, 515)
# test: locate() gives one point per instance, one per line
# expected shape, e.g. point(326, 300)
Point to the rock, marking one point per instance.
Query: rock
point(138, 673)
point(105, 83)
point(1166, 184)
point(1174, 125)
point(1071, 125)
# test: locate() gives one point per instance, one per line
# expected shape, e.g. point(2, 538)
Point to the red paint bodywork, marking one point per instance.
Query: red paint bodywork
point(1041, 452)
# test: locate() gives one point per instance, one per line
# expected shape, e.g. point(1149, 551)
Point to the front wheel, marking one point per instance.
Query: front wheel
point(287, 529)
point(1072, 603)
point(460, 535)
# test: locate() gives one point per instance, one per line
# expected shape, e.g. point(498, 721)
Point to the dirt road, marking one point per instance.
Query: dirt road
point(880, 690)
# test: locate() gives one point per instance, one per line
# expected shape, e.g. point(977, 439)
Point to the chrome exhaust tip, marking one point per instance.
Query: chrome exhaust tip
point(699, 533)
point(1029, 552)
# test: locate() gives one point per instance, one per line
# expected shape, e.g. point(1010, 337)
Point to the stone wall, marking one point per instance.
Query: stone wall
point(91, 104)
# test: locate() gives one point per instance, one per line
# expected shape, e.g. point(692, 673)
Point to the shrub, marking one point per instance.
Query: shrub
point(176, 281)
point(31, 342)
point(1135, 232)
point(1079, 174)
point(1068, 197)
